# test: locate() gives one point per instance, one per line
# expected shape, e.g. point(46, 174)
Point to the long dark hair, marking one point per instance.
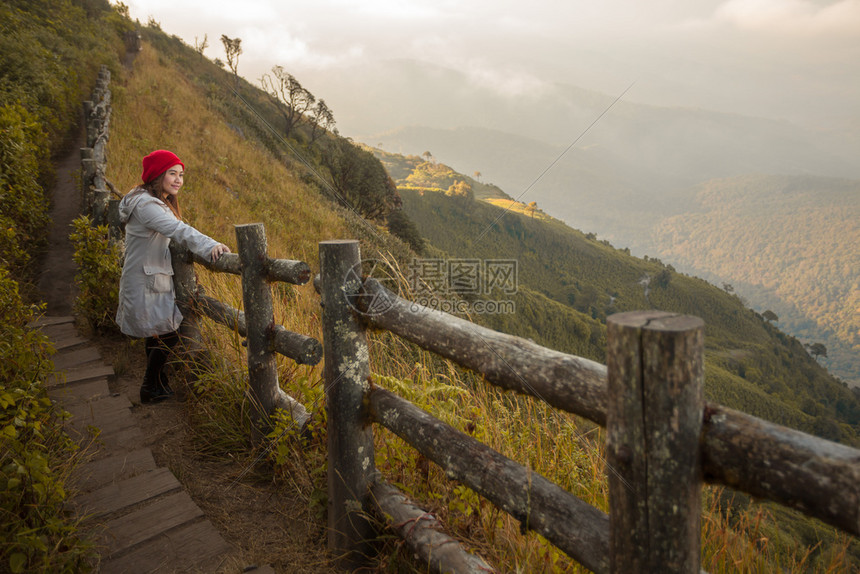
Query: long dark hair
point(156, 189)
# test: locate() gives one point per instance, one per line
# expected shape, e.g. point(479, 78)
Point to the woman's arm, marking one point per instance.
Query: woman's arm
point(157, 217)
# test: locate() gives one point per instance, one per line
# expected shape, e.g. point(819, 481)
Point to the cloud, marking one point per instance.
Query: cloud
point(793, 17)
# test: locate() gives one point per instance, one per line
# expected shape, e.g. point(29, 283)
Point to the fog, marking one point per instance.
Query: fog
point(384, 64)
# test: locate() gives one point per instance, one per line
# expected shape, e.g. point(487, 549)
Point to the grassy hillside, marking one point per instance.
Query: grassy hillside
point(788, 243)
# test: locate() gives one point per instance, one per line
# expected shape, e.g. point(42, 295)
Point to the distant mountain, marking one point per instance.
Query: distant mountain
point(787, 243)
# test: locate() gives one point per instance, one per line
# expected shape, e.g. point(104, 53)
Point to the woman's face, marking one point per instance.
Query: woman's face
point(173, 180)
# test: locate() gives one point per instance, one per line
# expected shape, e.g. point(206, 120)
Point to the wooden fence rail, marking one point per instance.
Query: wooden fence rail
point(94, 187)
point(663, 439)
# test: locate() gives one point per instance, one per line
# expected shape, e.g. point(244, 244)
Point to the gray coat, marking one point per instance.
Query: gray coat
point(147, 304)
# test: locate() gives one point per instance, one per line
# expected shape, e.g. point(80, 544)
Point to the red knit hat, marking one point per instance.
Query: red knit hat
point(157, 163)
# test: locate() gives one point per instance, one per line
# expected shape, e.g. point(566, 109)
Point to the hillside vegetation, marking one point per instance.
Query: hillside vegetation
point(789, 242)
point(242, 167)
point(50, 53)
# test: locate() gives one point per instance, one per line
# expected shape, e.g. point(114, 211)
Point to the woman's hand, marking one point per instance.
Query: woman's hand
point(218, 251)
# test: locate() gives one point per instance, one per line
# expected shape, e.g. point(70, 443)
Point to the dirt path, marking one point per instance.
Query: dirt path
point(265, 523)
point(57, 268)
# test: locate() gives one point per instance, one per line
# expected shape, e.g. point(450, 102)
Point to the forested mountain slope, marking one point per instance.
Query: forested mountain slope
point(789, 244)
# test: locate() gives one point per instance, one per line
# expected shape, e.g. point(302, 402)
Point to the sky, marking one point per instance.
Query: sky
point(787, 59)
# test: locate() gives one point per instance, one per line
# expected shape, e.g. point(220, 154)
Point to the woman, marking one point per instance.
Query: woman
point(147, 304)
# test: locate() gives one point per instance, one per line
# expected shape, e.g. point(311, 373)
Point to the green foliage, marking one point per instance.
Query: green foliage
point(50, 52)
point(99, 268)
point(35, 535)
point(401, 226)
point(359, 179)
point(23, 205)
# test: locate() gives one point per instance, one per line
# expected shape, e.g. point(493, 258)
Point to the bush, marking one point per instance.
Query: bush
point(35, 536)
point(23, 205)
point(99, 268)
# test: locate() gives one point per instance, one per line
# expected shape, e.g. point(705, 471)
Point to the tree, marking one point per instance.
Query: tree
point(287, 90)
point(532, 207)
point(460, 189)
point(401, 226)
point(817, 350)
point(199, 47)
point(322, 119)
point(477, 175)
point(770, 316)
point(233, 49)
point(663, 278)
point(359, 179)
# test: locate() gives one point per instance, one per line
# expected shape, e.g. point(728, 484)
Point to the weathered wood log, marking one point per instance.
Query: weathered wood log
point(574, 526)
point(564, 381)
point(816, 476)
point(423, 533)
point(115, 225)
point(655, 363)
point(351, 467)
point(308, 350)
point(88, 172)
point(185, 289)
point(260, 318)
point(100, 206)
point(300, 348)
point(286, 270)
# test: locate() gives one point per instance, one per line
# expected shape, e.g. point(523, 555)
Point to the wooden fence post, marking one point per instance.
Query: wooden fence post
point(114, 223)
point(185, 287)
point(88, 172)
point(654, 419)
point(260, 320)
point(351, 467)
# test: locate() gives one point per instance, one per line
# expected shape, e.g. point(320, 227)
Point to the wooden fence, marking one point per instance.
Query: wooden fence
point(95, 189)
point(663, 439)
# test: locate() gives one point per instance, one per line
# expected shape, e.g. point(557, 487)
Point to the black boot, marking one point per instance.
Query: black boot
point(152, 394)
point(164, 386)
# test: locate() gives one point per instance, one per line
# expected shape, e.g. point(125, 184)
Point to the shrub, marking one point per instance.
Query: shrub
point(99, 269)
point(23, 206)
point(35, 536)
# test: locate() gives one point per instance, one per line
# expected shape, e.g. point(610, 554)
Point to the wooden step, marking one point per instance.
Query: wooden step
point(121, 534)
point(114, 468)
point(196, 547)
point(125, 493)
